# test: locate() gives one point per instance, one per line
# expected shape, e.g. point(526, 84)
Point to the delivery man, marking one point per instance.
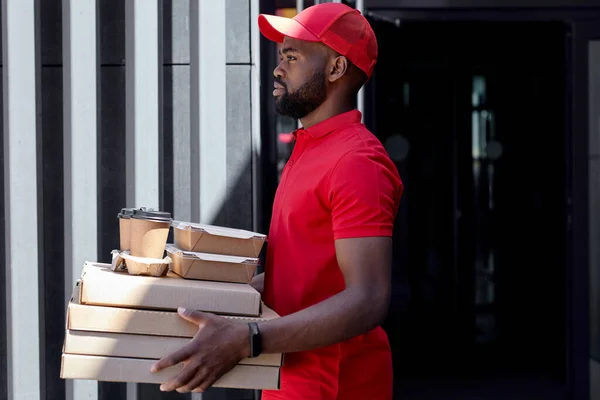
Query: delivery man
point(329, 255)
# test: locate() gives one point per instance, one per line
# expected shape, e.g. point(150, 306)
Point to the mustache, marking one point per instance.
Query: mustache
point(278, 80)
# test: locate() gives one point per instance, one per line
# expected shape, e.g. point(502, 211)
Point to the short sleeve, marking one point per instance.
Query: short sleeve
point(364, 194)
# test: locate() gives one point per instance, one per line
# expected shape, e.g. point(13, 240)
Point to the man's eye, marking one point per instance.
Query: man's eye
point(291, 58)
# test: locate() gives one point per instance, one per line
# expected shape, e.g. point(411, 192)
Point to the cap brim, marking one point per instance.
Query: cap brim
point(276, 28)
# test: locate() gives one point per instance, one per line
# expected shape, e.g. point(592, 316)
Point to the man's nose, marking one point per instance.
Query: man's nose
point(278, 72)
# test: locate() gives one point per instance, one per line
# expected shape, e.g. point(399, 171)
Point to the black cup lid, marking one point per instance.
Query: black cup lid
point(155, 215)
point(126, 213)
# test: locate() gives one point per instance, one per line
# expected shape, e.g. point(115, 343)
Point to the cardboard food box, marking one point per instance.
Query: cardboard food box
point(85, 317)
point(115, 369)
point(123, 332)
point(139, 346)
point(217, 240)
point(211, 267)
point(102, 286)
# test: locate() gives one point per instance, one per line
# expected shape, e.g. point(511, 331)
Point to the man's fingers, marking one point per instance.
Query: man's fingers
point(181, 379)
point(206, 384)
point(193, 316)
point(173, 359)
point(196, 381)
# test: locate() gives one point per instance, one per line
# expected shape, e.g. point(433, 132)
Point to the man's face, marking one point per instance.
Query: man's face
point(300, 83)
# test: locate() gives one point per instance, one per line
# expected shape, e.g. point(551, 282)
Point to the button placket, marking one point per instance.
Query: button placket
point(297, 152)
point(298, 148)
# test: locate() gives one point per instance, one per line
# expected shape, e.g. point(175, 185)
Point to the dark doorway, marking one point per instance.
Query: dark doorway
point(474, 115)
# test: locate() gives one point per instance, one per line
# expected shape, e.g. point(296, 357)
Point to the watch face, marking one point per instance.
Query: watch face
point(255, 340)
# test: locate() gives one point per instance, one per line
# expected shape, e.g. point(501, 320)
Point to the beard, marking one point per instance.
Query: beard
point(306, 99)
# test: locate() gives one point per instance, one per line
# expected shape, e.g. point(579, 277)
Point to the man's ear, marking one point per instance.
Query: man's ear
point(337, 68)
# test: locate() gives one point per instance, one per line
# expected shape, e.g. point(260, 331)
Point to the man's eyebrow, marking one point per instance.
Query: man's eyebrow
point(288, 50)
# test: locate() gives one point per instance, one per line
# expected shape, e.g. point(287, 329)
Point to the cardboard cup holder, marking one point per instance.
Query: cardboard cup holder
point(145, 266)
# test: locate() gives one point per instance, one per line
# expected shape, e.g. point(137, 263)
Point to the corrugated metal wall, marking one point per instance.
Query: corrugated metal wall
point(107, 104)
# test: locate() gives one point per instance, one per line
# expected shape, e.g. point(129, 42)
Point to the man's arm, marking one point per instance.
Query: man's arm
point(258, 282)
point(363, 305)
point(220, 344)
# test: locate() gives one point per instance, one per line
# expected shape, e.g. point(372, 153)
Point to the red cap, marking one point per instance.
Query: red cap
point(336, 25)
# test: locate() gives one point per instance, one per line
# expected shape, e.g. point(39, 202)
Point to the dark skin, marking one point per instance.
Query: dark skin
point(365, 263)
point(298, 62)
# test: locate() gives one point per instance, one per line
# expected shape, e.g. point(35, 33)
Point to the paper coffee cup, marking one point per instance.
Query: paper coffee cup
point(148, 233)
point(125, 228)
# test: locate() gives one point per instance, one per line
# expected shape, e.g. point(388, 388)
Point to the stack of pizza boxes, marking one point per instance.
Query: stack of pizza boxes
point(123, 316)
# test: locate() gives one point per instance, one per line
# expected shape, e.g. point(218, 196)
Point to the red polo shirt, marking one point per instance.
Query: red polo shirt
point(338, 183)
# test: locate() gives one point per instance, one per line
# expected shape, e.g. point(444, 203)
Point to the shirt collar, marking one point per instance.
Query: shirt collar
point(331, 124)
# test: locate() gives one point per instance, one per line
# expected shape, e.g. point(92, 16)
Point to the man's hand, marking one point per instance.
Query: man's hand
point(217, 347)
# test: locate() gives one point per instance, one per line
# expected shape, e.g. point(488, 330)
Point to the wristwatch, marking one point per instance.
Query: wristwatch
point(255, 340)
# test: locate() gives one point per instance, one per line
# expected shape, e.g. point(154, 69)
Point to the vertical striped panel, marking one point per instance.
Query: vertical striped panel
point(194, 110)
point(85, 152)
point(112, 127)
point(3, 284)
point(177, 116)
point(52, 283)
point(142, 94)
point(176, 107)
point(111, 142)
point(20, 197)
point(80, 161)
point(176, 130)
point(256, 110)
point(142, 109)
point(594, 97)
point(132, 391)
point(237, 35)
point(594, 211)
point(208, 109)
point(237, 208)
point(50, 196)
